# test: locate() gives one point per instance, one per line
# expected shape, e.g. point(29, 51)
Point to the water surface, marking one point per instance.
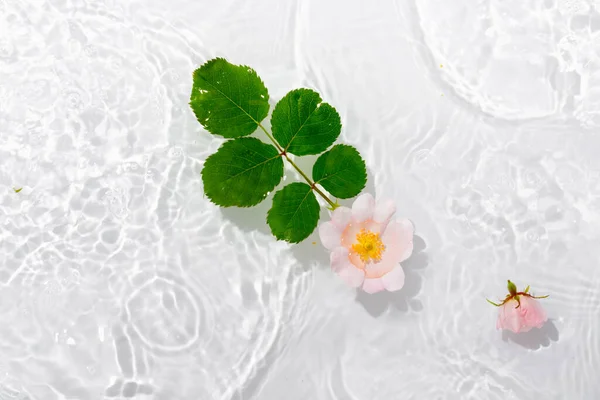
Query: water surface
point(119, 279)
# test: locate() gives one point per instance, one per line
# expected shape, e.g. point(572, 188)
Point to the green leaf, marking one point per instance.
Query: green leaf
point(303, 124)
point(242, 172)
point(228, 100)
point(341, 171)
point(294, 214)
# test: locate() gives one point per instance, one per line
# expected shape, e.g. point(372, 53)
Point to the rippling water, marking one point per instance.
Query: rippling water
point(118, 279)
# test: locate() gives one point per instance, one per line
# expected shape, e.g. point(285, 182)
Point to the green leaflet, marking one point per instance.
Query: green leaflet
point(231, 101)
point(303, 124)
point(228, 100)
point(341, 171)
point(294, 214)
point(242, 172)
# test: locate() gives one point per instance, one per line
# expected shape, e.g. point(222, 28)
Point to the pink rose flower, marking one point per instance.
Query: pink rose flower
point(367, 245)
point(520, 311)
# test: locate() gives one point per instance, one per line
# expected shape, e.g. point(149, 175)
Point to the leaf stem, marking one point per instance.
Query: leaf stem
point(270, 137)
point(312, 184)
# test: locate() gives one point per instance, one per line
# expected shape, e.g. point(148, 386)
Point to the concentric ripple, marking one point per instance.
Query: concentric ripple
point(526, 60)
point(119, 279)
point(165, 315)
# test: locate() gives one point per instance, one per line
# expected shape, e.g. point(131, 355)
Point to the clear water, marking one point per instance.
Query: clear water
point(118, 279)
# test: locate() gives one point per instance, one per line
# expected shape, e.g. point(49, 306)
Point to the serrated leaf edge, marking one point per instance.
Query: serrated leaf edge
point(310, 191)
point(364, 168)
point(320, 103)
point(252, 71)
point(211, 199)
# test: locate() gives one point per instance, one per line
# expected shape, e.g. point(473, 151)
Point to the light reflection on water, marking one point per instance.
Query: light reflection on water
point(120, 280)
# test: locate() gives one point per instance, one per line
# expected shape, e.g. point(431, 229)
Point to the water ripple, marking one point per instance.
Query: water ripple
point(120, 280)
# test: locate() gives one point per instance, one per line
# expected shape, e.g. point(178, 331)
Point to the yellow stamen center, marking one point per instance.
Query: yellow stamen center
point(368, 246)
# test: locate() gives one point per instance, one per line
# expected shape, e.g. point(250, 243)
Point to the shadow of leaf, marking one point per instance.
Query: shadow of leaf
point(311, 252)
point(250, 219)
point(405, 299)
point(535, 338)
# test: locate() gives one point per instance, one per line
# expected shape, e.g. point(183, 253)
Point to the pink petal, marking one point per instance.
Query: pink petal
point(373, 285)
point(341, 265)
point(394, 280)
point(500, 319)
point(341, 217)
point(355, 259)
point(398, 247)
point(330, 235)
point(349, 234)
point(399, 235)
point(514, 323)
point(363, 207)
point(388, 263)
point(533, 313)
point(508, 317)
point(384, 210)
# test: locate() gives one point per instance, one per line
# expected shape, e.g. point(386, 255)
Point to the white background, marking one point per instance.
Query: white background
point(118, 279)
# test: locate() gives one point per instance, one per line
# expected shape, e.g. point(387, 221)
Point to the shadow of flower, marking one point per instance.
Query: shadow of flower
point(310, 252)
point(405, 299)
point(535, 338)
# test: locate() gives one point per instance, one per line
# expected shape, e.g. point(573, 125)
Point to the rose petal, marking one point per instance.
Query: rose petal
point(397, 248)
point(349, 234)
point(355, 259)
point(330, 235)
point(500, 319)
point(373, 226)
point(341, 217)
point(513, 321)
point(384, 210)
point(373, 285)
point(389, 261)
point(399, 237)
point(341, 265)
point(363, 207)
point(534, 314)
point(394, 280)
point(508, 317)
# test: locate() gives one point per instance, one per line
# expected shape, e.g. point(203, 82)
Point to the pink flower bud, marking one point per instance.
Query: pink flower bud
point(520, 311)
point(521, 318)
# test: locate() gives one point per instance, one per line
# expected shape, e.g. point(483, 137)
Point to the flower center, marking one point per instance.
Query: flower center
point(368, 246)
